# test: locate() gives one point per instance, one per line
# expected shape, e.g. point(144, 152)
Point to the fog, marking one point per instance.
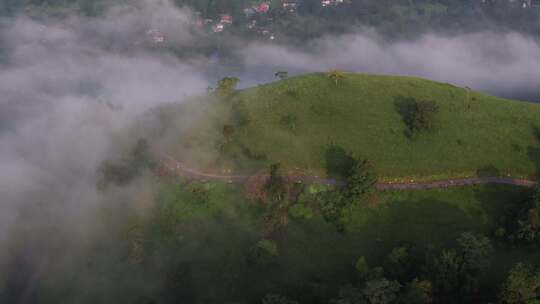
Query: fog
point(504, 64)
point(71, 88)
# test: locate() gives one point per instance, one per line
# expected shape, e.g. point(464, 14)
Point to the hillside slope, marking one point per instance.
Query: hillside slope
point(295, 121)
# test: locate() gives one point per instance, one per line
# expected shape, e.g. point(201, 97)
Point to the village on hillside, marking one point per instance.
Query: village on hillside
point(258, 18)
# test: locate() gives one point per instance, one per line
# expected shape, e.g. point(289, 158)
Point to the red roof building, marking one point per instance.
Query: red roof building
point(156, 36)
point(263, 8)
point(226, 19)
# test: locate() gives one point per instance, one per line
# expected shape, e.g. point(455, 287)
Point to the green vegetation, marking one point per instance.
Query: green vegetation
point(421, 245)
point(521, 224)
point(522, 285)
point(226, 86)
point(417, 115)
point(297, 121)
point(123, 171)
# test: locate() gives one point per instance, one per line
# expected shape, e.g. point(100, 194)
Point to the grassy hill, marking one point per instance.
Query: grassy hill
point(295, 121)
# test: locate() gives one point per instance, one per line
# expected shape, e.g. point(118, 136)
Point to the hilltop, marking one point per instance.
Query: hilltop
point(296, 121)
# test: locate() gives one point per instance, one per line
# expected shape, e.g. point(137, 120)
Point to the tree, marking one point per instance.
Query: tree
point(417, 115)
point(332, 204)
point(338, 161)
point(362, 267)
point(226, 86)
point(448, 276)
point(476, 251)
point(281, 74)
point(522, 225)
point(277, 299)
point(456, 272)
point(227, 131)
point(417, 292)
point(381, 291)
point(398, 264)
point(522, 285)
point(335, 75)
point(350, 295)
point(360, 179)
point(263, 252)
point(424, 118)
point(275, 186)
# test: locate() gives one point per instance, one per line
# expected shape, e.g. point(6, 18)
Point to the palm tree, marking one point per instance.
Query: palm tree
point(335, 75)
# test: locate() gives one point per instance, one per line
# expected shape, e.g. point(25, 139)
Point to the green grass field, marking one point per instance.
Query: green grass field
point(295, 120)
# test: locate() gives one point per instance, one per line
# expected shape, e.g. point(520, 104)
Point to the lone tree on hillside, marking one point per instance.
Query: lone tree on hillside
point(335, 75)
point(226, 86)
point(417, 115)
point(281, 74)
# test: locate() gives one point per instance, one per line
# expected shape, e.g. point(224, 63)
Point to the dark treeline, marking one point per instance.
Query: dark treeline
point(310, 19)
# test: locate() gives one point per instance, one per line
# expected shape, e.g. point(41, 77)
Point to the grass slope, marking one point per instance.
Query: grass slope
point(295, 120)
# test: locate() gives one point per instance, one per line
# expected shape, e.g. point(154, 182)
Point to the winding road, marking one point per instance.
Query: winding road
point(176, 166)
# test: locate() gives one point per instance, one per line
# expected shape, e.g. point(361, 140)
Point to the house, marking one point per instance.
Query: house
point(156, 36)
point(290, 5)
point(326, 3)
point(226, 19)
point(263, 8)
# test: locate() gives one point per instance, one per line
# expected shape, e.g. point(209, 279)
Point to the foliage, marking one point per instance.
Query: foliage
point(476, 251)
point(418, 115)
point(332, 204)
point(350, 295)
point(226, 86)
point(522, 224)
point(521, 286)
point(360, 180)
point(381, 291)
point(263, 253)
point(289, 122)
point(335, 75)
point(276, 185)
point(456, 272)
point(417, 292)
point(338, 162)
point(398, 263)
point(301, 212)
point(362, 267)
point(227, 131)
point(277, 299)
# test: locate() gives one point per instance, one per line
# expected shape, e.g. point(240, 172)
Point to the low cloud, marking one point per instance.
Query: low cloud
point(499, 63)
point(69, 89)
